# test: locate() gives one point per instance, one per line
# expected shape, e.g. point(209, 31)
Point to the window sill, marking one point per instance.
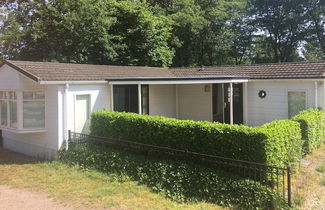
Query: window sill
point(14, 130)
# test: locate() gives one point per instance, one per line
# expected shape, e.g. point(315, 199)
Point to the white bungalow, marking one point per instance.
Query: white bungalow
point(40, 102)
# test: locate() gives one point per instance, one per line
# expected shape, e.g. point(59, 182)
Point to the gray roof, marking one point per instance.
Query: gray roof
point(46, 71)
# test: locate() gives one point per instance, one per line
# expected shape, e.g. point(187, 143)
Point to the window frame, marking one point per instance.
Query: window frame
point(33, 100)
point(297, 90)
point(19, 111)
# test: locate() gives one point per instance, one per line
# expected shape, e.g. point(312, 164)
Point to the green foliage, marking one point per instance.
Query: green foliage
point(176, 179)
point(263, 145)
point(312, 124)
point(284, 143)
point(87, 31)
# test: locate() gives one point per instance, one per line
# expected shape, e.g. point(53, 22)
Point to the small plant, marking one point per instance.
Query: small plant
point(321, 168)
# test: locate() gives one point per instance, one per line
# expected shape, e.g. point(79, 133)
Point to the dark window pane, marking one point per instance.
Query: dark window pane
point(125, 98)
point(145, 99)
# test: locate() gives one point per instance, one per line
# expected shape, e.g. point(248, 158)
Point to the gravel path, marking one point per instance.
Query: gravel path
point(17, 199)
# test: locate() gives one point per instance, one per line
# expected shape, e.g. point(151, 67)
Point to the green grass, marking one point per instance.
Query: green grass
point(89, 188)
point(321, 168)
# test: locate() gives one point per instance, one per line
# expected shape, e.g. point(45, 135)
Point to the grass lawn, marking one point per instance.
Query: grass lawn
point(85, 188)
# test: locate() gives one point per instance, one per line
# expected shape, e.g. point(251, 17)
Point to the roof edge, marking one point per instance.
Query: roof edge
point(22, 71)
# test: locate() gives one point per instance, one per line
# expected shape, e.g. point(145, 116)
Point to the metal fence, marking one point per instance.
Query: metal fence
point(277, 178)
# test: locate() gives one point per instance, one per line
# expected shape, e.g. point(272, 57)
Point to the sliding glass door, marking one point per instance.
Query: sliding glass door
point(221, 103)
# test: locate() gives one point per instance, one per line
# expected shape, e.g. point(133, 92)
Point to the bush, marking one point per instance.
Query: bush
point(176, 179)
point(283, 144)
point(312, 124)
point(232, 141)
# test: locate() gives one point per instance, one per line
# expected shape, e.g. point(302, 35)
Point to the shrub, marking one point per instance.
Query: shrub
point(312, 124)
point(176, 179)
point(283, 144)
point(233, 141)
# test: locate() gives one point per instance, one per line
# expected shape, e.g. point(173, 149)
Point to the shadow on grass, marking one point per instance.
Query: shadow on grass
point(9, 157)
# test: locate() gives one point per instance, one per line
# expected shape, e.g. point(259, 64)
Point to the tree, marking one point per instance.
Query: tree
point(315, 42)
point(87, 31)
point(283, 24)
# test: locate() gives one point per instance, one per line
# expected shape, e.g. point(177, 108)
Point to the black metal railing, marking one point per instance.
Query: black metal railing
point(277, 178)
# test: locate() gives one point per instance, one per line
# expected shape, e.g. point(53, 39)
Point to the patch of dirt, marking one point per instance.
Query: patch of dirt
point(307, 183)
point(17, 199)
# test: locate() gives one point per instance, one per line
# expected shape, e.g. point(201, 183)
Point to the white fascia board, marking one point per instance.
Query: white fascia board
point(287, 80)
point(73, 82)
point(177, 82)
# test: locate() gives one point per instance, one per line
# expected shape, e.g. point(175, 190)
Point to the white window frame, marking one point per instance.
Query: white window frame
point(297, 90)
point(20, 115)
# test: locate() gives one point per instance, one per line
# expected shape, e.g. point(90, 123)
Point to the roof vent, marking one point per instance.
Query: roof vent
point(201, 68)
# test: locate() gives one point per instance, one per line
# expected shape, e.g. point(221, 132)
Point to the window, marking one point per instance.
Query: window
point(3, 109)
point(126, 98)
point(145, 99)
point(8, 109)
point(33, 110)
point(296, 102)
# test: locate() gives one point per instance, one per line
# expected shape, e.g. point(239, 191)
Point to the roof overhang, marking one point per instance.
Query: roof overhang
point(177, 80)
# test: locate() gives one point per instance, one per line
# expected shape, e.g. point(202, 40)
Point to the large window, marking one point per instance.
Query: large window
point(296, 102)
point(33, 110)
point(126, 98)
point(23, 111)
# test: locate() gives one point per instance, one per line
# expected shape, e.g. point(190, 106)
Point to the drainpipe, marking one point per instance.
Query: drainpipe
point(176, 102)
point(316, 95)
point(139, 99)
point(231, 105)
point(65, 113)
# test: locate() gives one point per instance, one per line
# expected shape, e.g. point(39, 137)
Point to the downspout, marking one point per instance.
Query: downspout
point(231, 105)
point(176, 102)
point(316, 95)
point(65, 113)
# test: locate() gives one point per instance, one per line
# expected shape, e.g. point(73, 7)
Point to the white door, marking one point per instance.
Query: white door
point(82, 113)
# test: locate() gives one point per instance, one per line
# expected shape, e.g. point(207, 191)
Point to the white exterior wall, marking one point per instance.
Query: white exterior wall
point(194, 103)
point(42, 144)
point(162, 100)
point(275, 105)
point(99, 100)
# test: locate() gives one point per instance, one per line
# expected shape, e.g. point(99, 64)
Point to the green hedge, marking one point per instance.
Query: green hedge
point(312, 124)
point(176, 179)
point(234, 141)
point(283, 143)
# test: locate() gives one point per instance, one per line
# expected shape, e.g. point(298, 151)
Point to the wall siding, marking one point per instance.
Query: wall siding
point(162, 100)
point(42, 144)
point(194, 103)
point(275, 105)
point(99, 99)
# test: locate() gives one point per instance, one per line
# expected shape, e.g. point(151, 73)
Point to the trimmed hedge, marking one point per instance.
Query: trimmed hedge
point(283, 143)
point(262, 144)
point(312, 124)
point(176, 179)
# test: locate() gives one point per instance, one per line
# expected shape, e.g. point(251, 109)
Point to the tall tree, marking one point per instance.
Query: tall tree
point(283, 24)
point(87, 31)
point(315, 42)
